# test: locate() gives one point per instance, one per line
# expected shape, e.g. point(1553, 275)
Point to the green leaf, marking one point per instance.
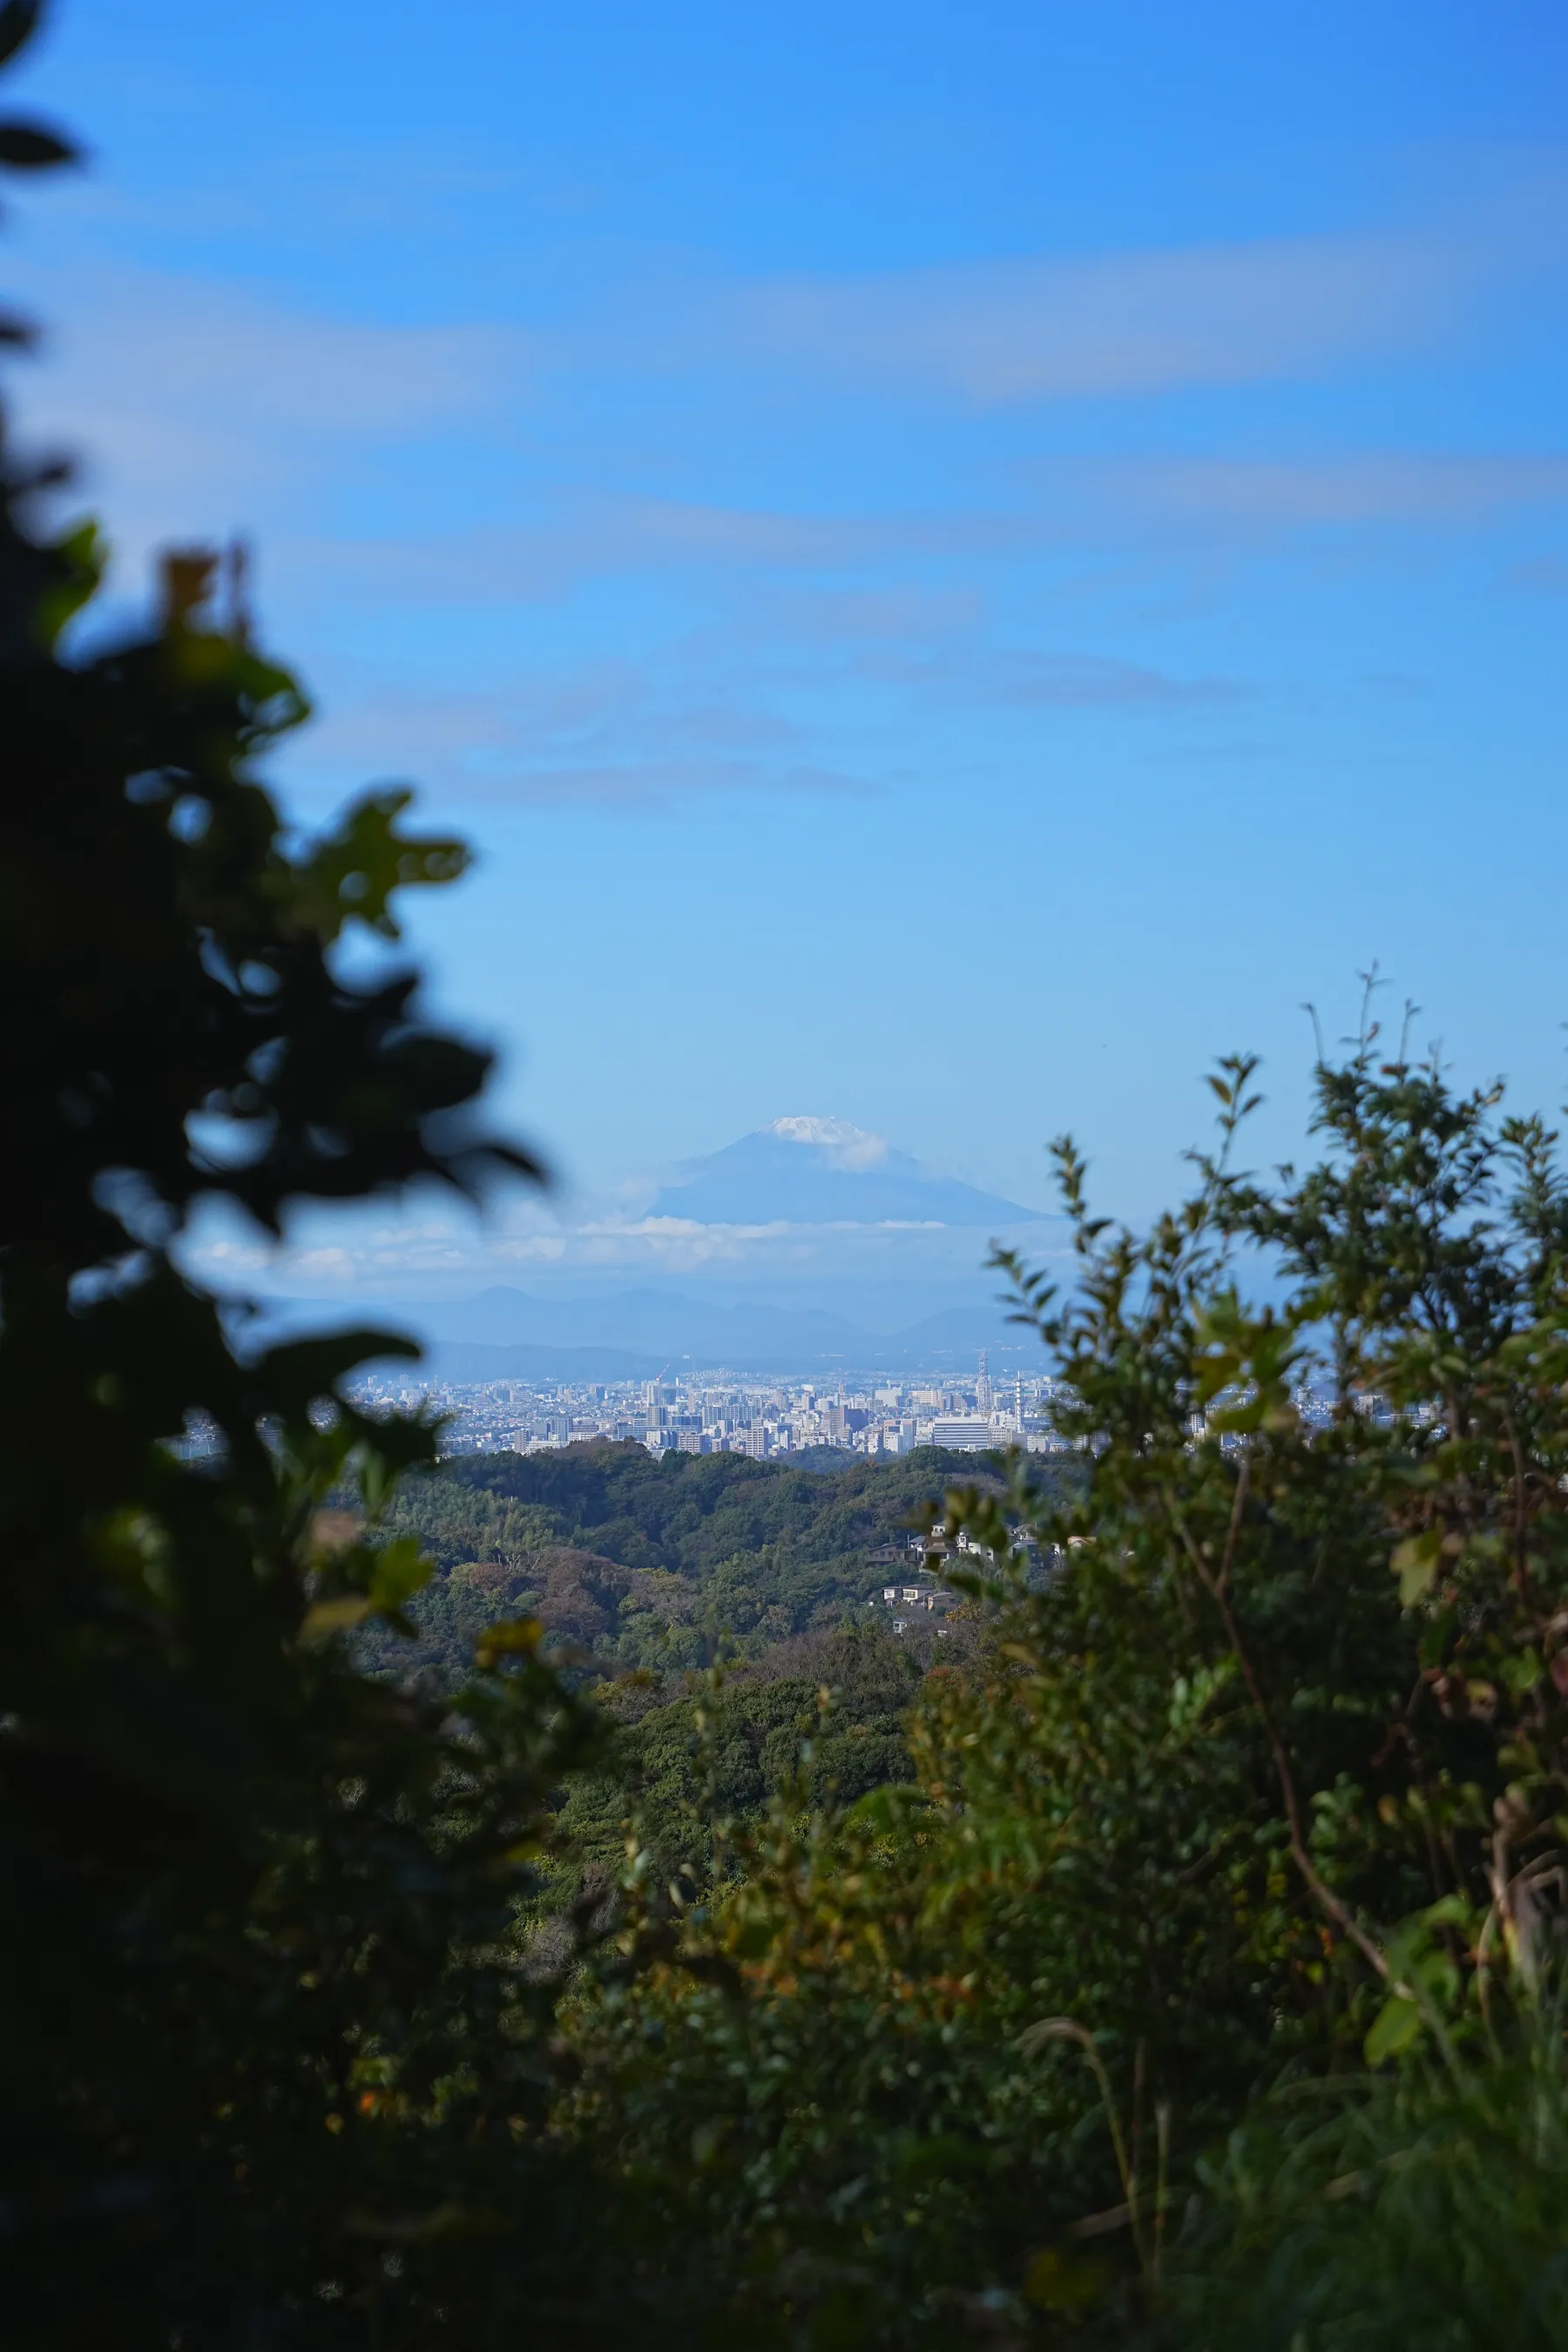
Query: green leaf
point(514, 1637)
point(401, 1570)
point(1523, 1671)
point(1394, 2028)
point(1067, 2284)
point(886, 1810)
point(1414, 1563)
point(329, 1617)
point(352, 873)
point(86, 555)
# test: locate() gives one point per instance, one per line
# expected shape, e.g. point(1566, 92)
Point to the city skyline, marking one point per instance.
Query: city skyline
point(712, 1412)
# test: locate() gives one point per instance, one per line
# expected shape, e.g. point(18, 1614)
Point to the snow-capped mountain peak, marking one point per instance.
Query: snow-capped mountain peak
point(846, 1146)
point(810, 1170)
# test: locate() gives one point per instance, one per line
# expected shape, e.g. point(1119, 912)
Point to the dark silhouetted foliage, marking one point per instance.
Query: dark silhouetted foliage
point(269, 2071)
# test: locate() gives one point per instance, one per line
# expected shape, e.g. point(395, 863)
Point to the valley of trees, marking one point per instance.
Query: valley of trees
point(749, 1649)
point(408, 1946)
point(660, 1564)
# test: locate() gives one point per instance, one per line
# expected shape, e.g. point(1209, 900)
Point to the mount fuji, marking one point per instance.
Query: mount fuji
point(824, 1171)
point(808, 1243)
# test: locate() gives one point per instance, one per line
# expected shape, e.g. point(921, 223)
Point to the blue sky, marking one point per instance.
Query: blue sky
point(956, 562)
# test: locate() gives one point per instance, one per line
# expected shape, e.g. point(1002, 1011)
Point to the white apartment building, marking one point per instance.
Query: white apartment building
point(966, 1432)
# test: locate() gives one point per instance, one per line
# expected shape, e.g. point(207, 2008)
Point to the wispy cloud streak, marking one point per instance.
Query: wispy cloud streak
point(1116, 324)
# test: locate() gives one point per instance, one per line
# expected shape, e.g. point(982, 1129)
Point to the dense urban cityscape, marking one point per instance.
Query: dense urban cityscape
point(715, 1412)
point(712, 1412)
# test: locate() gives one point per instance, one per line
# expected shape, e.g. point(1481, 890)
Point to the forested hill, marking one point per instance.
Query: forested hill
point(685, 1513)
point(650, 1562)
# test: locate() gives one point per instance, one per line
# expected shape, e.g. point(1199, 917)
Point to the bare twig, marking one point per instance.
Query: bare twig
point(1162, 2181)
point(1520, 1505)
point(1067, 2029)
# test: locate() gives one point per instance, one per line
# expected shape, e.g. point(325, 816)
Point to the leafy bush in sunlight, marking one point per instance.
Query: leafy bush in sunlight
point(1270, 1783)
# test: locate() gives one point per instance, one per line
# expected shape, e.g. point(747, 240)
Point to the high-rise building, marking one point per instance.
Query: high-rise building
point(982, 1389)
point(965, 1431)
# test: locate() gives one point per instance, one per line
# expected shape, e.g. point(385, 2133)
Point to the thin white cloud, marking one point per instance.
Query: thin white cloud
point(1020, 678)
point(1113, 324)
point(707, 722)
point(1229, 498)
point(609, 734)
point(1060, 506)
point(190, 391)
point(573, 539)
point(336, 1253)
point(199, 404)
point(211, 405)
point(195, 401)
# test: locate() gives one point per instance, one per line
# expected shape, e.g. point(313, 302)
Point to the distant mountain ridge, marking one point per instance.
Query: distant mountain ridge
point(630, 1335)
point(644, 1321)
point(811, 1244)
point(824, 1171)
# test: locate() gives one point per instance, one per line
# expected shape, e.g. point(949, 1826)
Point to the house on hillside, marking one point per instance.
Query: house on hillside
point(918, 1593)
